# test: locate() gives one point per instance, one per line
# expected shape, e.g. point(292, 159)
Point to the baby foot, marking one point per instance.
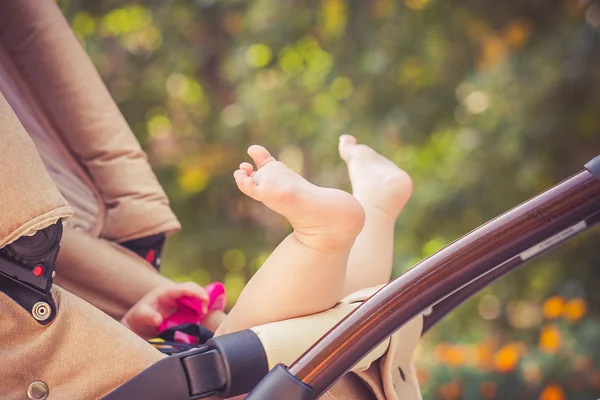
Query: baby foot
point(322, 218)
point(378, 183)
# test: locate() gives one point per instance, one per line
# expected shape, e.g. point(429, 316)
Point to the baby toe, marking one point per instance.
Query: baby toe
point(260, 155)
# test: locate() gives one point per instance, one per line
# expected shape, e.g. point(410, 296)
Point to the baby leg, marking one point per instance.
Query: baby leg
point(382, 189)
point(306, 272)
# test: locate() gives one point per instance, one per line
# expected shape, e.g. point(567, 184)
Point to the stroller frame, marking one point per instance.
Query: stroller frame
point(440, 282)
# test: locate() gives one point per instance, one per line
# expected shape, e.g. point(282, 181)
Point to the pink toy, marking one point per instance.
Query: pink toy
point(189, 310)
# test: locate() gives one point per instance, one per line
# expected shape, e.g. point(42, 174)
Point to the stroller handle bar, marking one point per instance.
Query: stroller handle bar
point(460, 270)
point(448, 304)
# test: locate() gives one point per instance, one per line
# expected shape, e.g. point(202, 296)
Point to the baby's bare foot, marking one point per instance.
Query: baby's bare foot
point(378, 183)
point(323, 219)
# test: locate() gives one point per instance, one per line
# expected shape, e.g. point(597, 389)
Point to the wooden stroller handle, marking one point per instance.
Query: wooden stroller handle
point(451, 302)
point(448, 304)
point(523, 232)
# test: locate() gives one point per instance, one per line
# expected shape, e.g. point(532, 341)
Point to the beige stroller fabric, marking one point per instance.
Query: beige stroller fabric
point(82, 355)
point(50, 92)
point(379, 369)
point(24, 210)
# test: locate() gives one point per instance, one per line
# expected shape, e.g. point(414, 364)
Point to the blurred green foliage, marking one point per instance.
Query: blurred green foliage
point(484, 103)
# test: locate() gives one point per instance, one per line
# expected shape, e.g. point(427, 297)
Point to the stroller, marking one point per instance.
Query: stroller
point(61, 129)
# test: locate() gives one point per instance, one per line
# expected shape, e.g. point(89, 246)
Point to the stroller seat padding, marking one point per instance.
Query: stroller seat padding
point(286, 341)
point(30, 200)
point(82, 354)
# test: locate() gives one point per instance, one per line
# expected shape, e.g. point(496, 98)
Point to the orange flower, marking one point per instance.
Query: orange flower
point(484, 356)
point(550, 339)
point(440, 350)
point(451, 391)
point(574, 309)
point(455, 356)
point(553, 392)
point(507, 358)
point(451, 355)
point(553, 307)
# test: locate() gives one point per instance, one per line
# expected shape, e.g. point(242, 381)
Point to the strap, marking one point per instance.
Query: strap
point(149, 248)
point(167, 341)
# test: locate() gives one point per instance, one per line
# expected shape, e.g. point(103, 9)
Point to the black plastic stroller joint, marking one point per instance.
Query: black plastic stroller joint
point(280, 384)
point(226, 366)
point(27, 270)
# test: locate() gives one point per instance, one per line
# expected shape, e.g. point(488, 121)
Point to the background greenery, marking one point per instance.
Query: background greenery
point(484, 103)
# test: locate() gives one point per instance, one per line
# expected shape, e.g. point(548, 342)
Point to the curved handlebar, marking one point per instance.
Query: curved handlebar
point(520, 232)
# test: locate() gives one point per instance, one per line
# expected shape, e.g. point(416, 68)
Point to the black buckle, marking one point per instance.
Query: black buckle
point(27, 267)
point(226, 366)
point(149, 248)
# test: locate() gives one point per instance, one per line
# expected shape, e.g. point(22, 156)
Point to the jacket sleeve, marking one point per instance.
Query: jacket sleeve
point(80, 108)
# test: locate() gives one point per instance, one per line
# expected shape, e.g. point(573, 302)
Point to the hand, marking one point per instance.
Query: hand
point(146, 316)
point(213, 320)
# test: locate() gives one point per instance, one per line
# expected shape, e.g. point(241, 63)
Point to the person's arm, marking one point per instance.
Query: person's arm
point(37, 37)
point(104, 273)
